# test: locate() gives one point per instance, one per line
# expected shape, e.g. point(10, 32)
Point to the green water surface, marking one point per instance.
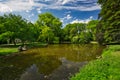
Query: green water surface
point(54, 62)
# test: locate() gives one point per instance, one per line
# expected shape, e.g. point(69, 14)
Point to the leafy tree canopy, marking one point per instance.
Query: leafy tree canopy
point(47, 19)
point(108, 28)
point(15, 27)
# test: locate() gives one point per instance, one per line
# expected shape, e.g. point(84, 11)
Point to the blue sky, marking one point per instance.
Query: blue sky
point(69, 11)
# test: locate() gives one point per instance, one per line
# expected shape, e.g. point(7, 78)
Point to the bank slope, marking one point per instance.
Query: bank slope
point(105, 68)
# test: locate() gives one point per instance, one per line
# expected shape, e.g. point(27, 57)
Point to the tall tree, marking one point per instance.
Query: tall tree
point(77, 33)
point(47, 19)
point(15, 27)
point(74, 29)
point(47, 35)
point(108, 28)
point(91, 26)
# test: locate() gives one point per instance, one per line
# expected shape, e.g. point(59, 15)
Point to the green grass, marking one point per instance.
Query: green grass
point(110, 50)
point(11, 48)
point(106, 68)
point(4, 51)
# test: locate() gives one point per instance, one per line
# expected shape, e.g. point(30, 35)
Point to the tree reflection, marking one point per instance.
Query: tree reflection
point(51, 61)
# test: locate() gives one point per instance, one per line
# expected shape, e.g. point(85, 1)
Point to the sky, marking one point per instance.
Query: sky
point(68, 11)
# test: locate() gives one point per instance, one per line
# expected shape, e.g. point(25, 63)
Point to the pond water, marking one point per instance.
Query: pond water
point(54, 62)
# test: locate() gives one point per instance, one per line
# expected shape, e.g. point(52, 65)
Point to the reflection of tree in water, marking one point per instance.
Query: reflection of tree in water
point(83, 52)
point(63, 72)
point(12, 67)
point(58, 60)
point(73, 52)
point(32, 74)
point(66, 70)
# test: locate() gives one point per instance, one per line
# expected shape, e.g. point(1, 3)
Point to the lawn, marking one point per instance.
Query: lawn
point(4, 51)
point(11, 48)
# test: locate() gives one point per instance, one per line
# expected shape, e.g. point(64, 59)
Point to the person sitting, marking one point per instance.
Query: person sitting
point(24, 48)
point(20, 48)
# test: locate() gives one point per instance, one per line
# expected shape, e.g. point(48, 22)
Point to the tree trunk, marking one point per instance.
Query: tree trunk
point(8, 41)
point(14, 42)
point(23, 42)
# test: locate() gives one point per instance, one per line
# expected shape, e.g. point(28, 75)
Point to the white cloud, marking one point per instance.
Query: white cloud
point(59, 5)
point(23, 5)
point(32, 14)
point(67, 17)
point(16, 5)
point(67, 12)
point(27, 11)
point(79, 8)
point(67, 1)
point(91, 17)
point(5, 8)
point(31, 2)
point(39, 10)
point(82, 21)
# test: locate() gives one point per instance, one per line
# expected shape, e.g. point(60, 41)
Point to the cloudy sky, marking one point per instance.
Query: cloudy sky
point(69, 11)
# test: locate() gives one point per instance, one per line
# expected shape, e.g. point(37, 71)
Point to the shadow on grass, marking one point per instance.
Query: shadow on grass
point(29, 45)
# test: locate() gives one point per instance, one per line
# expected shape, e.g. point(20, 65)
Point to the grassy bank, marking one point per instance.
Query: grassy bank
point(11, 48)
point(5, 51)
point(105, 68)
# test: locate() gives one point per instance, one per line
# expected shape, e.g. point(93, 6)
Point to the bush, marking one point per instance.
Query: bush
point(75, 39)
point(85, 37)
point(82, 38)
point(56, 40)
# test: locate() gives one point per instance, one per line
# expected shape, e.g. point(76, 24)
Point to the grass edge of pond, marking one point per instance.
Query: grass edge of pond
point(8, 49)
point(105, 68)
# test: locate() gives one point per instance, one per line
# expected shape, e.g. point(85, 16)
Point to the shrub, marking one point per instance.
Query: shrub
point(56, 40)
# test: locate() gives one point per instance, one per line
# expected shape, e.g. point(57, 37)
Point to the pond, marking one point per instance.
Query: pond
point(54, 62)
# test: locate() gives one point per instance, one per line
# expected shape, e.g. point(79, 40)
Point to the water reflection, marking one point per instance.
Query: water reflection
point(66, 70)
point(55, 62)
point(32, 74)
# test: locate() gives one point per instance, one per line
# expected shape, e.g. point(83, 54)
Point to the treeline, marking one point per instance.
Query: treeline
point(13, 28)
point(48, 29)
point(108, 29)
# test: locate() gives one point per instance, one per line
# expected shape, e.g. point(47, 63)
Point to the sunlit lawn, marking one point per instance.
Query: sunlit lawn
point(4, 51)
point(11, 48)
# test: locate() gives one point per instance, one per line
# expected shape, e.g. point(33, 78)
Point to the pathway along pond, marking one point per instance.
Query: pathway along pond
point(54, 62)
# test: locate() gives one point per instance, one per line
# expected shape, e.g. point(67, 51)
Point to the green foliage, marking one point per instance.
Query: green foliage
point(85, 37)
point(110, 49)
point(75, 39)
point(56, 40)
point(6, 35)
point(109, 23)
point(46, 35)
point(77, 33)
point(28, 31)
point(54, 24)
point(14, 27)
point(91, 26)
point(47, 29)
point(106, 68)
